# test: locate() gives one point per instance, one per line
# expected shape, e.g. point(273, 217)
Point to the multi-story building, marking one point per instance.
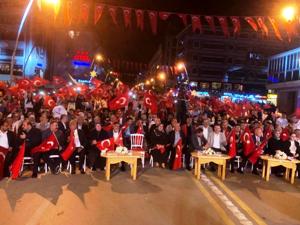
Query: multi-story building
point(217, 62)
point(30, 57)
point(284, 79)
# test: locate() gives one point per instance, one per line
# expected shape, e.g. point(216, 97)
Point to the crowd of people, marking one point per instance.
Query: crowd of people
point(78, 120)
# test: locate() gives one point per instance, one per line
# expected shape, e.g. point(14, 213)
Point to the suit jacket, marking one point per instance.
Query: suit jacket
point(64, 129)
point(172, 138)
point(11, 137)
point(196, 145)
point(223, 141)
point(33, 139)
point(82, 138)
point(286, 148)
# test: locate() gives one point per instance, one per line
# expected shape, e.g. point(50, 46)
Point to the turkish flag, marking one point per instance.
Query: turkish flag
point(275, 28)
point(108, 128)
point(251, 22)
point(211, 23)
point(139, 19)
point(178, 155)
point(285, 135)
point(3, 85)
point(127, 17)
point(248, 143)
point(57, 80)
point(24, 83)
point(39, 82)
point(196, 23)
point(48, 144)
point(164, 15)
point(268, 133)
point(224, 25)
point(98, 12)
point(151, 103)
point(70, 148)
point(113, 13)
point(236, 25)
point(49, 102)
point(232, 144)
point(84, 12)
point(3, 152)
point(119, 102)
point(261, 23)
point(106, 145)
point(257, 152)
point(153, 21)
point(17, 164)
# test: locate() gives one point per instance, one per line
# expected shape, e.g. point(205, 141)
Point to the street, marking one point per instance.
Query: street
point(156, 197)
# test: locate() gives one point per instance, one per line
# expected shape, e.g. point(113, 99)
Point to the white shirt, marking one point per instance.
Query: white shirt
point(296, 125)
point(293, 148)
point(4, 140)
point(205, 132)
point(115, 135)
point(177, 137)
point(76, 139)
point(216, 143)
point(58, 111)
point(282, 122)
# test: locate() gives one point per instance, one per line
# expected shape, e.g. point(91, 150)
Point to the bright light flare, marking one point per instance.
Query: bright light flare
point(180, 66)
point(162, 76)
point(99, 57)
point(289, 13)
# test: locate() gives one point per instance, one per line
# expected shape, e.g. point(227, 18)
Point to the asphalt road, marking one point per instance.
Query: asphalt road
point(158, 196)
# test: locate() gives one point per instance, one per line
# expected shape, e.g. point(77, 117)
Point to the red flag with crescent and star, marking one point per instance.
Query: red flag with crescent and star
point(17, 164)
point(106, 144)
point(119, 102)
point(178, 155)
point(232, 144)
point(150, 102)
point(48, 144)
point(39, 82)
point(70, 148)
point(248, 143)
point(49, 102)
point(257, 152)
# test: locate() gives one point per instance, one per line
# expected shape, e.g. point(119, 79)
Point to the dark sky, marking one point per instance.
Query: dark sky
point(132, 44)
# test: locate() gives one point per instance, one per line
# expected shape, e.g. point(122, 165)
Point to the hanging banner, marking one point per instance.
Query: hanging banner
point(262, 26)
point(139, 19)
point(113, 13)
point(153, 21)
point(127, 17)
point(196, 24)
point(224, 25)
point(211, 23)
point(236, 25)
point(275, 28)
point(84, 12)
point(98, 12)
point(251, 22)
point(164, 15)
point(183, 17)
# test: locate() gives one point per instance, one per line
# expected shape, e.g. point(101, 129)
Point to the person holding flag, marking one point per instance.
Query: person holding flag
point(77, 146)
point(177, 140)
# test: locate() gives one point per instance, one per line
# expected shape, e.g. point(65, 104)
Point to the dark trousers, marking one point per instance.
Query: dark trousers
point(187, 156)
point(159, 157)
point(94, 158)
point(52, 163)
point(9, 159)
point(81, 158)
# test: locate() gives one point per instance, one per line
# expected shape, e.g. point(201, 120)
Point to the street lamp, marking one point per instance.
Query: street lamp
point(289, 13)
point(162, 76)
point(99, 57)
point(55, 3)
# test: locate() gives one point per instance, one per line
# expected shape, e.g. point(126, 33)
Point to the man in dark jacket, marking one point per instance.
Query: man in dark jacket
point(97, 134)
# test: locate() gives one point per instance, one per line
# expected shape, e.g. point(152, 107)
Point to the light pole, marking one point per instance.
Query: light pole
point(55, 3)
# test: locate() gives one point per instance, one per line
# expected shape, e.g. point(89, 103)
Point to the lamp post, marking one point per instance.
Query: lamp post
point(55, 3)
point(289, 13)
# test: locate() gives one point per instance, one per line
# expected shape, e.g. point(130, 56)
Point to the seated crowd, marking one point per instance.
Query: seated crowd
point(202, 129)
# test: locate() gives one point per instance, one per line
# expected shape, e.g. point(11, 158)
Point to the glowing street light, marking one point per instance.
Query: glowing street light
point(289, 13)
point(147, 82)
point(99, 57)
point(162, 76)
point(152, 80)
point(180, 66)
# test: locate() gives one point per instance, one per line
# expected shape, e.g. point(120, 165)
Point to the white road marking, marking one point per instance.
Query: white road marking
point(227, 202)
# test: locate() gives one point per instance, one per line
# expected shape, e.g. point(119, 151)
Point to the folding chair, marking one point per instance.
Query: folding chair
point(53, 157)
point(69, 166)
point(137, 141)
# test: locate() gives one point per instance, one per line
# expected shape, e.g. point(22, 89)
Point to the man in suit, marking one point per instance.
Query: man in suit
point(217, 140)
point(97, 134)
point(7, 141)
point(81, 143)
point(198, 140)
point(207, 130)
point(32, 137)
point(63, 124)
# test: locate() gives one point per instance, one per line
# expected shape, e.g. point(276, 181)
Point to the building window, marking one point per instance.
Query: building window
point(216, 85)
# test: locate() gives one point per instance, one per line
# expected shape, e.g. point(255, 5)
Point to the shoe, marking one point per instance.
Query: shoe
point(82, 171)
point(240, 170)
point(34, 175)
point(188, 168)
point(255, 172)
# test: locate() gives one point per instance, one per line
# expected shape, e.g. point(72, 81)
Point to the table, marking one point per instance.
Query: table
point(113, 158)
point(269, 162)
point(201, 158)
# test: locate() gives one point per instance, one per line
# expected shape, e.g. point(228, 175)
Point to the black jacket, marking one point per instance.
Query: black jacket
point(33, 139)
point(286, 148)
point(273, 145)
point(98, 135)
point(64, 129)
point(172, 138)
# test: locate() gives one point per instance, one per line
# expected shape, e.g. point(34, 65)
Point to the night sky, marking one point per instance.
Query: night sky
point(134, 45)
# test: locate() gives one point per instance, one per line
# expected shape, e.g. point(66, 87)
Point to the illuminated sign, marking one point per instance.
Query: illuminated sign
point(82, 58)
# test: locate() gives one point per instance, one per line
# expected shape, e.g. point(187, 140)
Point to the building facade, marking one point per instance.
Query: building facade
point(284, 80)
point(216, 62)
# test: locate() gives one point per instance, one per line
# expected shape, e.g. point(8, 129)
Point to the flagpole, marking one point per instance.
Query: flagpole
point(27, 10)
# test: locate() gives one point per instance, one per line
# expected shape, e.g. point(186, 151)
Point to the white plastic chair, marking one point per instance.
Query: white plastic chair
point(28, 161)
point(136, 144)
point(69, 166)
point(53, 157)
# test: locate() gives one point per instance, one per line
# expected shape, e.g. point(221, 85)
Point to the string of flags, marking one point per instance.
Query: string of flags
point(230, 25)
